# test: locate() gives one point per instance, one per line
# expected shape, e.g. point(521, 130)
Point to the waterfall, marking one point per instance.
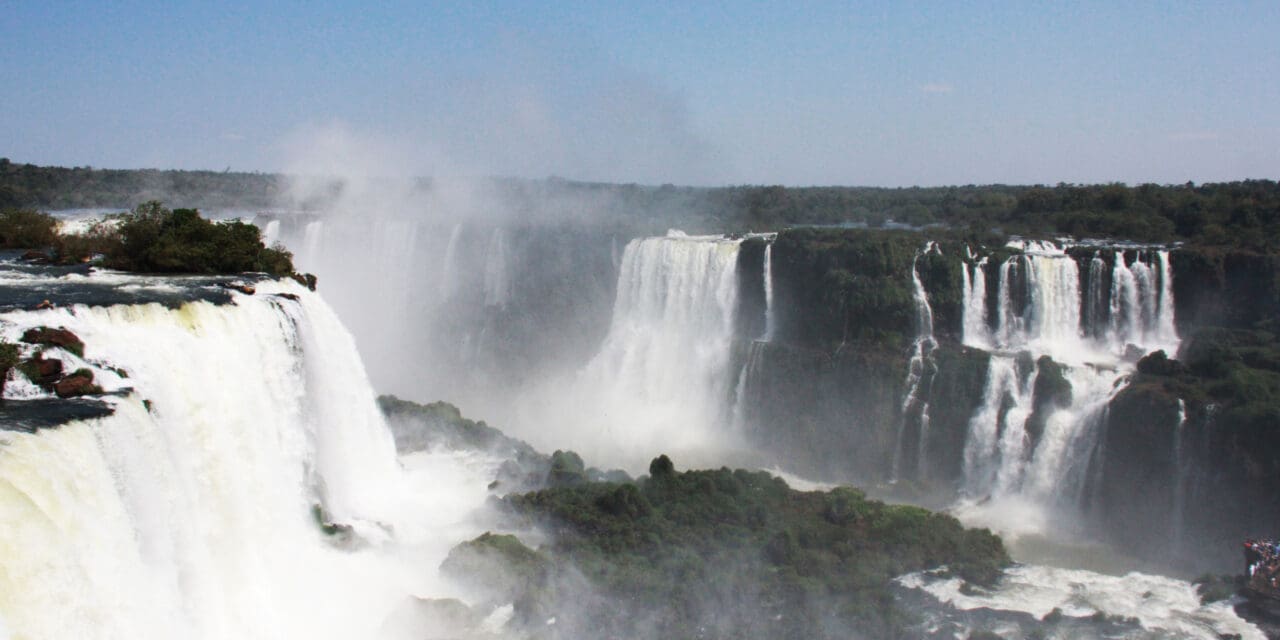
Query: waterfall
point(974, 330)
point(271, 233)
point(449, 266)
point(189, 515)
point(661, 378)
point(1179, 480)
point(497, 280)
point(743, 390)
point(1166, 329)
point(768, 293)
point(994, 452)
point(1097, 311)
point(919, 367)
point(1018, 479)
point(312, 244)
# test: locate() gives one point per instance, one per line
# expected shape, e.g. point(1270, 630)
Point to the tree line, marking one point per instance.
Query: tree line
point(1243, 213)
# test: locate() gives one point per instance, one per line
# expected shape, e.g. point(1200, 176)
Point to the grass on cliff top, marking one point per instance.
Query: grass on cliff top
point(721, 554)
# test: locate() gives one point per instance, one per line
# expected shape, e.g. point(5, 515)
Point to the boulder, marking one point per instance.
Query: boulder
point(305, 279)
point(79, 383)
point(34, 255)
point(42, 371)
point(242, 287)
point(54, 337)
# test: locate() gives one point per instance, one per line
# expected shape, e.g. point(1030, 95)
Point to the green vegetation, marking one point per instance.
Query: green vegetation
point(1245, 213)
point(150, 239)
point(28, 185)
point(854, 285)
point(720, 554)
point(27, 229)
point(10, 354)
point(159, 240)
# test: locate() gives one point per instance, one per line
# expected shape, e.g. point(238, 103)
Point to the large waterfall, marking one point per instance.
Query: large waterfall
point(1025, 456)
point(190, 512)
point(661, 380)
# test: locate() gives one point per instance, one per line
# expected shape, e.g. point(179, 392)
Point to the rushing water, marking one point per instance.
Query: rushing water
point(920, 370)
point(187, 513)
point(660, 381)
point(1015, 479)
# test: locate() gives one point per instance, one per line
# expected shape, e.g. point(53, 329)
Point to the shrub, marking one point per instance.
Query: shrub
point(27, 229)
point(155, 239)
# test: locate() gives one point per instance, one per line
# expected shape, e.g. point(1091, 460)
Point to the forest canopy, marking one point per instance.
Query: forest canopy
point(1244, 213)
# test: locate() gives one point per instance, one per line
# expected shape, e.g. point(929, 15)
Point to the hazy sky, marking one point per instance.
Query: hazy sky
point(883, 93)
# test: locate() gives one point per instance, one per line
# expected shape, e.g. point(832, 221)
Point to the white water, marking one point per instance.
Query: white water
point(1167, 607)
point(974, 329)
point(271, 233)
point(449, 266)
point(497, 279)
point(1013, 482)
point(1180, 477)
point(193, 519)
point(768, 293)
point(920, 366)
point(660, 382)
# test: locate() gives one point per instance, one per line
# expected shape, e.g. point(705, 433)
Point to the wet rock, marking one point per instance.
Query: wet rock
point(242, 287)
point(1157, 363)
point(36, 256)
point(54, 337)
point(44, 304)
point(77, 384)
point(42, 371)
point(305, 279)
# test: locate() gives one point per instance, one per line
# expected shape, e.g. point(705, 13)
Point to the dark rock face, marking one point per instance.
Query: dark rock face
point(1138, 466)
point(54, 337)
point(1052, 392)
point(1214, 287)
point(832, 415)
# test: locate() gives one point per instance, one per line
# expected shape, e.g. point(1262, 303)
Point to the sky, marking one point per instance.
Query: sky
point(695, 93)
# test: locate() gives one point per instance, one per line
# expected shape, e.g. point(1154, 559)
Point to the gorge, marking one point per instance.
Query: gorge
point(1102, 405)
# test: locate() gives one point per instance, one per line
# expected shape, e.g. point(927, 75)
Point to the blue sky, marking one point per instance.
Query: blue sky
point(792, 93)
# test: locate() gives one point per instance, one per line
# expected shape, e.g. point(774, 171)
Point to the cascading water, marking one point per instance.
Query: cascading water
point(660, 381)
point(497, 280)
point(1180, 478)
point(188, 512)
point(449, 266)
point(755, 351)
point(1016, 477)
point(974, 331)
point(920, 370)
point(768, 293)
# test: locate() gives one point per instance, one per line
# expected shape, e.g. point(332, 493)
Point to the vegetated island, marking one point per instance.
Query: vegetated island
point(695, 554)
point(148, 239)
